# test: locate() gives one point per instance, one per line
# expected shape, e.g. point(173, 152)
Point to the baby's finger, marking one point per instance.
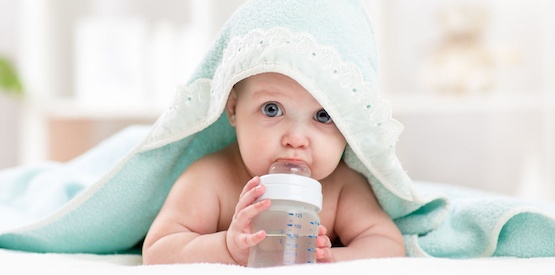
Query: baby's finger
point(253, 239)
point(250, 185)
point(243, 217)
point(323, 241)
point(250, 196)
point(322, 230)
point(324, 255)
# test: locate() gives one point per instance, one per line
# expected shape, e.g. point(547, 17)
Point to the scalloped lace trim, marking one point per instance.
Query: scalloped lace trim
point(374, 107)
point(207, 98)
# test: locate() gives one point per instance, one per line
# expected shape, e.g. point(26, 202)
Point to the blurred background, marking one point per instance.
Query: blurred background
point(472, 81)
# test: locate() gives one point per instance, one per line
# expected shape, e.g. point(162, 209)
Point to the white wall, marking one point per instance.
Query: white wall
point(507, 149)
point(39, 37)
point(9, 111)
point(500, 151)
point(8, 27)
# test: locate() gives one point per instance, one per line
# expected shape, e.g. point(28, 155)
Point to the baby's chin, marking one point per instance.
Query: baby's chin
point(320, 177)
point(320, 173)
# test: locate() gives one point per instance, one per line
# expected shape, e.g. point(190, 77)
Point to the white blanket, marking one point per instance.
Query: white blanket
point(15, 262)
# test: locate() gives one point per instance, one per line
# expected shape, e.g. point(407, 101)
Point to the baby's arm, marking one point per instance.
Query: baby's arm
point(363, 227)
point(186, 229)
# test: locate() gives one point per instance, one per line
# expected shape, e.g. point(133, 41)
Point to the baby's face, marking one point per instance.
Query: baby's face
point(277, 119)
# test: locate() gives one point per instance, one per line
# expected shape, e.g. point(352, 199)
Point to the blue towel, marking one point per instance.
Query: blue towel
point(105, 200)
point(483, 224)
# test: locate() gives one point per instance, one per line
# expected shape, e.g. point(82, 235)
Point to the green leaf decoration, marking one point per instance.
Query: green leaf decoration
point(9, 81)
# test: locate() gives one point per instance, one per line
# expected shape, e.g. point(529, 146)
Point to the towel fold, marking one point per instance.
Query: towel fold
point(484, 224)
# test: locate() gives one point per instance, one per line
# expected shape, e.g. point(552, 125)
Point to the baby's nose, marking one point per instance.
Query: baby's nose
point(296, 136)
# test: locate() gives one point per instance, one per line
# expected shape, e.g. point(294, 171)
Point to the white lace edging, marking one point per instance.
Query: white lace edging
point(362, 94)
point(349, 90)
point(375, 108)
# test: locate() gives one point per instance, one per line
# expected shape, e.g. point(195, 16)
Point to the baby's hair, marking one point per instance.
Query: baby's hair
point(237, 86)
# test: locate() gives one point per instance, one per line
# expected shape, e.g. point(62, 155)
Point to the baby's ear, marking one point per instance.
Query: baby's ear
point(230, 106)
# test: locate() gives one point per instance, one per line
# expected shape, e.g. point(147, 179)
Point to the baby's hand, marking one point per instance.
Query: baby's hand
point(239, 237)
point(323, 249)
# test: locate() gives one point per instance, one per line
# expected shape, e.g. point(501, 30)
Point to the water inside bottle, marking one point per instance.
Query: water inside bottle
point(290, 237)
point(284, 249)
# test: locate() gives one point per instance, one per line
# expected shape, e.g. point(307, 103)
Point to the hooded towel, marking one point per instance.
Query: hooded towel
point(105, 200)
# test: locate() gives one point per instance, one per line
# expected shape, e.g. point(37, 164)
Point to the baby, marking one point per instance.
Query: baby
point(208, 213)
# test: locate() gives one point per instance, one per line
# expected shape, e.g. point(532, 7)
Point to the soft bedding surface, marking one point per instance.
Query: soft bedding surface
point(14, 262)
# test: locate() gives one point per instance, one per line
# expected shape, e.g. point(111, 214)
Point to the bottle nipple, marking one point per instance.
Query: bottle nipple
point(290, 167)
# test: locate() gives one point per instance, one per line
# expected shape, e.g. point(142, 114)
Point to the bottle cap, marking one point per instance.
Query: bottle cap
point(288, 181)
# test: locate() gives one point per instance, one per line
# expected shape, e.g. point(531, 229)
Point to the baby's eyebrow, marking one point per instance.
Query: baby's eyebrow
point(261, 93)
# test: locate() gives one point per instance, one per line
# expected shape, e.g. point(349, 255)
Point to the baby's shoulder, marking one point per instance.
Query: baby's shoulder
point(215, 169)
point(343, 178)
point(344, 173)
point(213, 161)
point(213, 165)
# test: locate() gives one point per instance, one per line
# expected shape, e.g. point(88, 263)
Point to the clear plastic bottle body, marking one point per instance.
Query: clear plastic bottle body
point(291, 222)
point(291, 231)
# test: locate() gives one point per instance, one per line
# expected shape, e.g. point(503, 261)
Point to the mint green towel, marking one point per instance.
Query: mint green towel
point(105, 200)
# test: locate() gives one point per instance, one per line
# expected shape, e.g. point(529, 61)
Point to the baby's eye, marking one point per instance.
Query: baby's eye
point(322, 116)
point(271, 110)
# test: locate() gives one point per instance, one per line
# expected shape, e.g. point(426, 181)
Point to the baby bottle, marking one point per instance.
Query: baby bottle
point(291, 222)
